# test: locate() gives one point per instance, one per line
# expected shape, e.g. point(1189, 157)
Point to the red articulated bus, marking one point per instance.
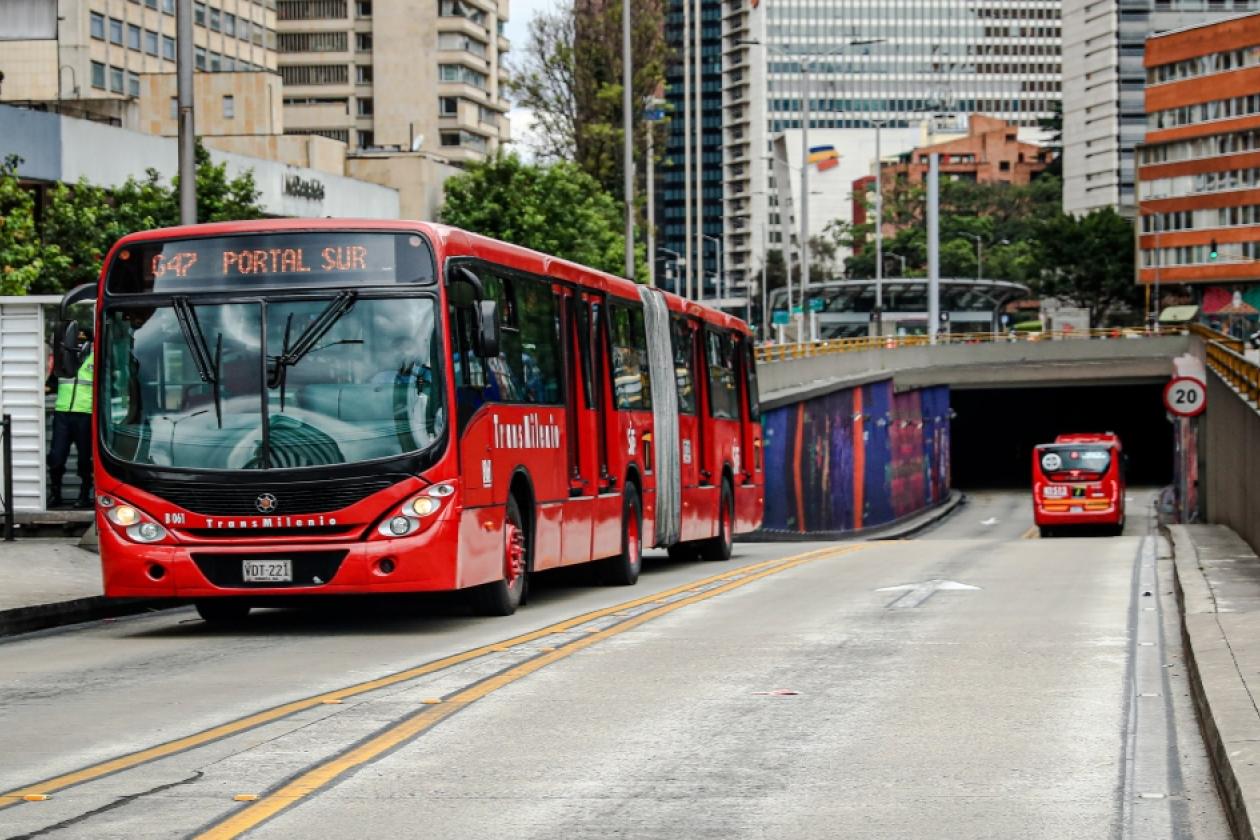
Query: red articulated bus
point(1079, 480)
point(291, 408)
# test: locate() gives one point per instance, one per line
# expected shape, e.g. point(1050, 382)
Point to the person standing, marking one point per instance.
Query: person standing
point(72, 424)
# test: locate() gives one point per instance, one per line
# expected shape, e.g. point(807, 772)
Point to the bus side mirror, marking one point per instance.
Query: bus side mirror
point(487, 329)
point(65, 349)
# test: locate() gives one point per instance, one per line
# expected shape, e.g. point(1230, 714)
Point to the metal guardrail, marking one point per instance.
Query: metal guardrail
point(6, 452)
point(767, 353)
point(1236, 369)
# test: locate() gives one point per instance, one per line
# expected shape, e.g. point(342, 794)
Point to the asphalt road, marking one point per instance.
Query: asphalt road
point(971, 683)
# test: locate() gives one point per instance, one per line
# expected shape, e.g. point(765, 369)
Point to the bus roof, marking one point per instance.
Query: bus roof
point(1104, 438)
point(452, 241)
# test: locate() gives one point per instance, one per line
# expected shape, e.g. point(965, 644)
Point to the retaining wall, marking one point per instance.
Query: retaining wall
point(1229, 435)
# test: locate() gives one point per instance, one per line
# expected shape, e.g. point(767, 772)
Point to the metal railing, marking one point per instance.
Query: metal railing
point(767, 353)
point(6, 452)
point(1241, 373)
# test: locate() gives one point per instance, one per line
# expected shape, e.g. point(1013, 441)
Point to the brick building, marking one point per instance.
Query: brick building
point(990, 152)
point(1198, 176)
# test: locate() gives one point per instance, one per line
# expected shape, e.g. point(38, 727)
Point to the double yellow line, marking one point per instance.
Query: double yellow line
point(323, 774)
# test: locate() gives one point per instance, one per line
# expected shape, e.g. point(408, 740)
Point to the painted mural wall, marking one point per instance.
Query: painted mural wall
point(855, 459)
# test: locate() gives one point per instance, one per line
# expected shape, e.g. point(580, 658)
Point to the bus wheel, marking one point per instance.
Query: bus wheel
point(502, 597)
point(719, 548)
point(222, 611)
point(623, 569)
point(1046, 532)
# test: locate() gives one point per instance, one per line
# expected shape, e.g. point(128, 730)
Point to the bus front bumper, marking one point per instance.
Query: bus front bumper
point(424, 562)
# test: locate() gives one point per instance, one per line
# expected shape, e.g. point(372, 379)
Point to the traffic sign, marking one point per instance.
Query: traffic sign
point(816, 304)
point(1185, 396)
point(796, 310)
point(654, 114)
point(780, 318)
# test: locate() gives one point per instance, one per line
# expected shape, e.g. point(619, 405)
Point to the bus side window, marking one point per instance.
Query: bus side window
point(681, 339)
point(629, 358)
point(723, 391)
point(752, 396)
point(584, 350)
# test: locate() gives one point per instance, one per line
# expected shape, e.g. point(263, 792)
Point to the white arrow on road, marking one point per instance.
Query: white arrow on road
point(990, 521)
point(917, 593)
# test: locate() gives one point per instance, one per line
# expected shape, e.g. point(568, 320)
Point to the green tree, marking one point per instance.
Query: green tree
point(1089, 262)
point(24, 259)
point(557, 209)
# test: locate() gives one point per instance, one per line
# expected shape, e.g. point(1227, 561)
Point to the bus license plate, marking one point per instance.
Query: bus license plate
point(1056, 492)
point(267, 571)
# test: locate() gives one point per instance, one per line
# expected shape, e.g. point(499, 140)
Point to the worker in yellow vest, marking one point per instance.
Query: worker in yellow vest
point(72, 424)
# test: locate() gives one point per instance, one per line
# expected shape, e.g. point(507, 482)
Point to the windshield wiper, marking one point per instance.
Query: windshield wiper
point(207, 368)
point(317, 329)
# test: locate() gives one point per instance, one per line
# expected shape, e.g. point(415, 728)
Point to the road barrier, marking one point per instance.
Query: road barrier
point(767, 353)
point(1241, 373)
point(6, 452)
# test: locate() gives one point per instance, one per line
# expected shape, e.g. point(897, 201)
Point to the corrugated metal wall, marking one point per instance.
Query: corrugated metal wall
point(22, 361)
point(855, 459)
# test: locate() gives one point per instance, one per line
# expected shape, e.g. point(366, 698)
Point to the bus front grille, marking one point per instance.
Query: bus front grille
point(291, 498)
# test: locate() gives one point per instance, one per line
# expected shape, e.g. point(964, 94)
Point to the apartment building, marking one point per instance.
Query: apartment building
point(1198, 172)
point(400, 76)
point(990, 153)
point(100, 51)
point(1103, 89)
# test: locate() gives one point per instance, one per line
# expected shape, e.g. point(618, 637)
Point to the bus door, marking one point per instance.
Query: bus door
point(589, 476)
point(683, 341)
point(749, 479)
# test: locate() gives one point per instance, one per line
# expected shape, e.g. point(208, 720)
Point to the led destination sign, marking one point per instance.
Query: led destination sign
point(275, 259)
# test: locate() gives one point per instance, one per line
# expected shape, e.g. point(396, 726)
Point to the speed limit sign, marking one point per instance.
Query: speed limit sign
point(1185, 396)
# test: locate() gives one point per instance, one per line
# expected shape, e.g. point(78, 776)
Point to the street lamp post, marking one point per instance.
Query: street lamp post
point(627, 122)
point(678, 263)
point(979, 254)
point(879, 231)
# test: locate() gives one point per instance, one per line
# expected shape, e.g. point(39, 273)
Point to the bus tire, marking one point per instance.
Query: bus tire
point(718, 549)
point(222, 611)
point(1047, 532)
point(623, 569)
point(503, 596)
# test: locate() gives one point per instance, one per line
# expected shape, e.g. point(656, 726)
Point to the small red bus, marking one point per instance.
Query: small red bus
point(300, 407)
point(1079, 480)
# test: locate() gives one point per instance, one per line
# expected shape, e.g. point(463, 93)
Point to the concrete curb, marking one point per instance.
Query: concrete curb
point(896, 530)
point(1216, 686)
point(77, 611)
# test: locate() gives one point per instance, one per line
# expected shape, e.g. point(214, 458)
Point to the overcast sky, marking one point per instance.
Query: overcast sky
point(520, 13)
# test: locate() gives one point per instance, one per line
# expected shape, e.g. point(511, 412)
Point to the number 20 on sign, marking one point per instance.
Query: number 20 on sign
point(1185, 396)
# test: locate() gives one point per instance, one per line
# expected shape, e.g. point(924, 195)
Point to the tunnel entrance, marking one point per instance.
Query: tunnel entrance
point(994, 430)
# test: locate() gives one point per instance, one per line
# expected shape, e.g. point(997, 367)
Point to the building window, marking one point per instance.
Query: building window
point(229, 24)
point(152, 4)
point(364, 106)
point(367, 139)
point(97, 25)
point(229, 107)
point(199, 14)
point(150, 42)
point(98, 75)
point(116, 79)
point(133, 36)
point(216, 62)
point(133, 84)
point(363, 8)
point(310, 9)
point(199, 58)
point(315, 74)
point(115, 31)
point(168, 48)
point(296, 42)
point(216, 20)
point(460, 73)
point(448, 106)
point(363, 41)
point(168, 7)
point(174, 107)
point(242, 30)
point(363, 74)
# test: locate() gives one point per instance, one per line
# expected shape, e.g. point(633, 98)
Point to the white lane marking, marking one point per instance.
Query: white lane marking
point(917, 593)
point(990, 521)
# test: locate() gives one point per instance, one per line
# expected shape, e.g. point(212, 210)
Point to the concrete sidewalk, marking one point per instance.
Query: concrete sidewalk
point(1218, 586)
point(51, 582)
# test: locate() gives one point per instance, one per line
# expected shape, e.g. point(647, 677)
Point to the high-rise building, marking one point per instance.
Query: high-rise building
point(396, 75)
point(97, 52)
point(896, 63)
point(705, 187)
point(1198, 179)
point(1103, 87)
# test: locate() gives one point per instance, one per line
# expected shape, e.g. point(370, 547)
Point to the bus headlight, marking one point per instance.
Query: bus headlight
point(136, 524)
point(399, 526)
point(147, 532)
point(124, 516)
point(424, 505)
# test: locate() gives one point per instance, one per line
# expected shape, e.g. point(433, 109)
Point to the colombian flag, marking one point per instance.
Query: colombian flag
point(824, 157)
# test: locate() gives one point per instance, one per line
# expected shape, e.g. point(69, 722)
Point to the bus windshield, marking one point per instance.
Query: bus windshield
point(1058, 460)
point(271, 383)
